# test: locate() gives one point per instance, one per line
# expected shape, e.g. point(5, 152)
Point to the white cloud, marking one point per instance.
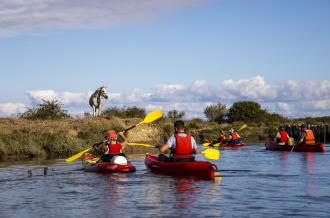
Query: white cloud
point(8, 109)
point(67, 98)
point(290, 98)
point(26, 16)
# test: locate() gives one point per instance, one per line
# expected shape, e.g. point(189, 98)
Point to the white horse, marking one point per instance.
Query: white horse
point(96, 100)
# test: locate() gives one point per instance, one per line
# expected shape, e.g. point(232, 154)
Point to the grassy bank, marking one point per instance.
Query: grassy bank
point(23, 139)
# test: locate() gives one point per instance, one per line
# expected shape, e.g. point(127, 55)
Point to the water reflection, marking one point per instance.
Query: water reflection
point(185, 192)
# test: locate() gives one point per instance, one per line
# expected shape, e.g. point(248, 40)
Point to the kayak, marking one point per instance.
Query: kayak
point(91, 165)
point(298, 148)
point(233, 144)
point(200, 169)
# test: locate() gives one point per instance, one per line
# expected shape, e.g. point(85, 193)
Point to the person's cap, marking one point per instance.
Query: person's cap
point(112, 134)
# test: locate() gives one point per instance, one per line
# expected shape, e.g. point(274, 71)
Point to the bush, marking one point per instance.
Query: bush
point(175, 115)
point(48, 110)
point(194, 124)
point(216, 113)
point(130, 112)
point(207, 134)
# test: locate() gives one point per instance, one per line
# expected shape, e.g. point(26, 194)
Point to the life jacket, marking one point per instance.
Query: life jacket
point(234, 136)
point(309, 139)
point(183, 148)
point(222, 138)
point(114, 148)
point(284, 136)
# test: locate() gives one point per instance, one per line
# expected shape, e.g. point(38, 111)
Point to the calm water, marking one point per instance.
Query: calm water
point(254, 182)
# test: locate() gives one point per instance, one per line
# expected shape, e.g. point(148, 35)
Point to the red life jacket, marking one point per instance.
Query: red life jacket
point(183, 148)
point(309, 139)
point(284, 136)
point(114, 148)
point(222, 138)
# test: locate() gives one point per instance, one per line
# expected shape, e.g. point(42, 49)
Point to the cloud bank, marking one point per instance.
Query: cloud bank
point(290, 98)
point(27, 16)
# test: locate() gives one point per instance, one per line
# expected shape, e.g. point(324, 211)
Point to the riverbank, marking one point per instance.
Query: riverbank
point(24, 139)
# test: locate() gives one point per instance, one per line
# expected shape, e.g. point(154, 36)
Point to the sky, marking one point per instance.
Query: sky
point(168, 54)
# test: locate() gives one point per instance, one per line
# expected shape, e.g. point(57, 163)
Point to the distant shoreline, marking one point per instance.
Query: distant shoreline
point(22, 139)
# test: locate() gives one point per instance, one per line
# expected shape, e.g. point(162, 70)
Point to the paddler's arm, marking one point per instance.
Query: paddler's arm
point(164, 148)
point(123, 143)
point(302, 137)
point(194, 144)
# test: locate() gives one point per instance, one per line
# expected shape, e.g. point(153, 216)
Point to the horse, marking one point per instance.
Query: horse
point(96, 100)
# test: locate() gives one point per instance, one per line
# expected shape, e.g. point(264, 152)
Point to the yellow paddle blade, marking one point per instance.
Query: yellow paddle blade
point(76, 156)
point(206, 144)
point(212, 154)
point(216, 145)
point(139, 144)
point(242, 127)
point(152, 116)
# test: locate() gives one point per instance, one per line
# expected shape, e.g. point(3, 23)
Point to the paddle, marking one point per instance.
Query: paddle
point(210, 153)
point(218, 144)
point(152, 116)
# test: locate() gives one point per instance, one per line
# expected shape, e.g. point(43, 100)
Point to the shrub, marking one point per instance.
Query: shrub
point(216, 112)
point(48, 110)
point(130, 112)
point(194, 123)
point(175, 115)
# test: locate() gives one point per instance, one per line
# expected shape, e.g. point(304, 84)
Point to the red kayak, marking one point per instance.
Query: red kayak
point(90, 165)
point(299, 148)
point(200, 169)
point(233, 144)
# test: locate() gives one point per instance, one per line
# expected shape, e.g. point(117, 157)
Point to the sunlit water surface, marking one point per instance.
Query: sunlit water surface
point(254, 183)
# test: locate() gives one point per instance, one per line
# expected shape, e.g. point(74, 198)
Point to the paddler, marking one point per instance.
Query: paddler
point(110, 147)
point(234, 137)
point(306, 136)
point(181, 145)
point(282, 136)
point(222, 137)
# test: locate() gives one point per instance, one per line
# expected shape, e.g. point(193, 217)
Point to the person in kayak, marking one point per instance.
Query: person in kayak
point(111, 147)
point(181, 145)
point(221, 139)
point(234, 137)
point(282, 136)
point(307, 136)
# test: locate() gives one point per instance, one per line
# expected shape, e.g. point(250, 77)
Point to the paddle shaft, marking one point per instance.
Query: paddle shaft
point(131, 128)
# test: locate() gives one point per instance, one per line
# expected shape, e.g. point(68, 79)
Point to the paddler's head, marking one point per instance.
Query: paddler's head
point(112, 135)
point(179, 126)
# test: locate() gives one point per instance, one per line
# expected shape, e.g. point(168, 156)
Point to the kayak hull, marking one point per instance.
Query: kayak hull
point(105, 167)
point(233, 144)
point(200, 169)
point(297, 148)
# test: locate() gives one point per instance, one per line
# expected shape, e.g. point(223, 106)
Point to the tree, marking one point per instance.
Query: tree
point(175, 115)
point(48, 110)
point(246, 111)
point(216, 112)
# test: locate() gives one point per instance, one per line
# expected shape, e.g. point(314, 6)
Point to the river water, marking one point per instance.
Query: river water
point(254, 183)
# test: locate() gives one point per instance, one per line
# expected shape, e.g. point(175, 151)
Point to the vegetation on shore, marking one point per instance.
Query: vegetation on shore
point(47, 131)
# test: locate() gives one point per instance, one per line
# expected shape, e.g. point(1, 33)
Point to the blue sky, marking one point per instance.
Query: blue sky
point(138, 45)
